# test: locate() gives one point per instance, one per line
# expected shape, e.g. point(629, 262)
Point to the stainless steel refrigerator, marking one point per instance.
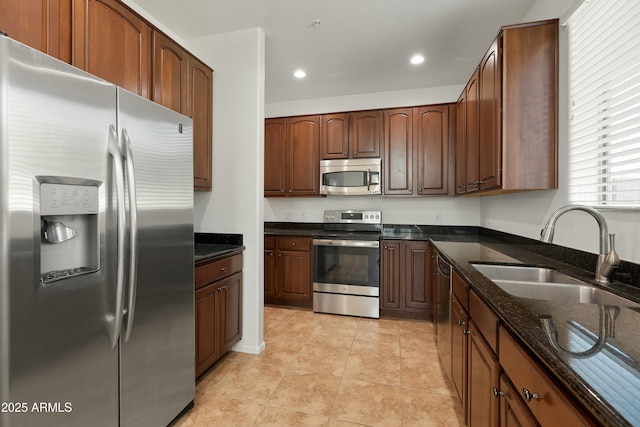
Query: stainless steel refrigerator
point(96, 250)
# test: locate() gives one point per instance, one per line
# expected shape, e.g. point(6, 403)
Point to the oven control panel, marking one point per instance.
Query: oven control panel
point(353, 217)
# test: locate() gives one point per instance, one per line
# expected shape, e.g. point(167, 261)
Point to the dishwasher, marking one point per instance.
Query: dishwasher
point(442, 314)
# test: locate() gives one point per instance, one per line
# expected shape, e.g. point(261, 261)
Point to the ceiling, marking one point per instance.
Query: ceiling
point(362, 46)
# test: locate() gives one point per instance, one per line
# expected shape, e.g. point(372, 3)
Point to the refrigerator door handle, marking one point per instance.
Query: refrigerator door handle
point(133, 232)
point(114, 151)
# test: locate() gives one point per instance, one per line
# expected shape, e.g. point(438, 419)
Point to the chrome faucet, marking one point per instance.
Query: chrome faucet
point(608, 259)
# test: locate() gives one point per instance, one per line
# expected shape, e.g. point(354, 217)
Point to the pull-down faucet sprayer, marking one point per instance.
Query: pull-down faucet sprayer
point(608, 259)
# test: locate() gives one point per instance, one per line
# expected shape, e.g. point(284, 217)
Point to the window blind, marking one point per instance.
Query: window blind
point(604, 93)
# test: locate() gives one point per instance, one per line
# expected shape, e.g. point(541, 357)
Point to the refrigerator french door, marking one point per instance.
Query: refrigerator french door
point(96, 250)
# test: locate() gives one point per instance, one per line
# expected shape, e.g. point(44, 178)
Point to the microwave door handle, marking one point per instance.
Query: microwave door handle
point(369, 179)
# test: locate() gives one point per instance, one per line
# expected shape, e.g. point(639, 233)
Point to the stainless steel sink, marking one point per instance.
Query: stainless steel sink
point(547, 284)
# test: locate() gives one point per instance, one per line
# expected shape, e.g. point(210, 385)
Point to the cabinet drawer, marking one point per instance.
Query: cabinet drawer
point(547, 402)
point(460, 289)
point(485, 319)
point(216, 270)
point(294, 243)
point(270, 243)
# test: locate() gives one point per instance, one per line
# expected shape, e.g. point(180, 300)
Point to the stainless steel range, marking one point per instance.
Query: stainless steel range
point(346, 277)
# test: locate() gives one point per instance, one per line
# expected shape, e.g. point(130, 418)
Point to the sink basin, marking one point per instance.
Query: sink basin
point(547, 284)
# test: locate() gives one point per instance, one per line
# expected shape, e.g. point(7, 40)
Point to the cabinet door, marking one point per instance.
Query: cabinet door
point(303, 163)
point(461, 144)
point(275, 157)
point(334, 136)
point(390, 275)
point(294, 273)
point(490, 118)
point(207, 335)
point(483, 371)
point(169, 73)
point(365, 130)
point(42, 24)
point(199, 103)
point(269, 272)
point(418, 277)
point(230, 311)
point(398, 152)
point(431, 145)
point(472, 138)
point(112, 42)
point(513, 412)
point(459, 350)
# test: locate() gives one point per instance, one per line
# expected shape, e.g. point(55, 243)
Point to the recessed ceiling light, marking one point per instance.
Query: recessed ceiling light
point(417, 59)
point(299, 74)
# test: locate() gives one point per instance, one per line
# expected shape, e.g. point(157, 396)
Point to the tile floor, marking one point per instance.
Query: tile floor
point(326, 370)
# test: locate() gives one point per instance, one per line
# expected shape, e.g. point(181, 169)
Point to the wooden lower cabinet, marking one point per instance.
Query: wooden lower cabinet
point(513, 411)
point(287, 273)
point(498, 382)
point(218, 309)
point(483, 370)
point(406, 279)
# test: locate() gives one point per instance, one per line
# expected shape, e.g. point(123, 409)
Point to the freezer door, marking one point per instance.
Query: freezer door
point(157, 360)
point(57, 365)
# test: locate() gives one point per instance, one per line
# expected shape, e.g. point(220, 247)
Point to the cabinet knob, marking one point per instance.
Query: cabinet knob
point(293, 243)
point(435, 274)
point(461, 323)
point(223, 269)
point(466, 331)
point(497, 393)
point(528, 395)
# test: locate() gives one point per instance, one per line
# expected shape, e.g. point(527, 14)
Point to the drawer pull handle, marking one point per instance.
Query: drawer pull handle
point(528, 395)
point(461, 323)
point(466, 332)
point(223, 269)
point(497, 393)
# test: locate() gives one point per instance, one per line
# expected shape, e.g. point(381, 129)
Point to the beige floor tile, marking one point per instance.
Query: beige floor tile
point(334, 422)
point(382, 326)
point(311, 393)
point(374, 342)
point(373, 367)
point(425, 409)
point(368, 403)
point(286, 332)
point(279, 352)
point(425, 374)
point(320, 359)
point(254, 381)
point(216, 410)
point(415, 346)
point(279, 417)
point(423, 329)
point(332, 336)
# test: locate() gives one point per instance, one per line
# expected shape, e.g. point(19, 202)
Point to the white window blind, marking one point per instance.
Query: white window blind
point(604, 93)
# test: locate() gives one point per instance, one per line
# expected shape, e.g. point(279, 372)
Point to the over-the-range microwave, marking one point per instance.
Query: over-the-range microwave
point(350, 177)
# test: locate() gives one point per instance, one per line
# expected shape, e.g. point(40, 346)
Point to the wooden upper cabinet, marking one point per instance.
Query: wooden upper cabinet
point(334, 136)
point(112, 42)
point(461, 144)
point(350, 135)
point(431, 145)
point(398, 152)
point(169, 73)
point(365, 132)
point(275, 157)
point(199, 103)
point(44, 25)
point(511, 107)
point(490, 119)
point(303, 163)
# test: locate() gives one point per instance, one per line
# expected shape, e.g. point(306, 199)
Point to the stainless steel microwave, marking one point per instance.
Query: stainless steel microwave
point(350, 177)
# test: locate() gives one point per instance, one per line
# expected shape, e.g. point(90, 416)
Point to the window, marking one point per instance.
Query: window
point(604, 94)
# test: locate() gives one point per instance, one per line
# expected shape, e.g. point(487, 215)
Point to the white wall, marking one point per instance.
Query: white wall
point(524, 214)
point(235, 204)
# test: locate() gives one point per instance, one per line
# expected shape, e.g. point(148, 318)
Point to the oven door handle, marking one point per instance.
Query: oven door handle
point(352, 243)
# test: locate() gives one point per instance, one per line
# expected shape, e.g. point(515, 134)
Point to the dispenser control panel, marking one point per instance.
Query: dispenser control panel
point(65, 199)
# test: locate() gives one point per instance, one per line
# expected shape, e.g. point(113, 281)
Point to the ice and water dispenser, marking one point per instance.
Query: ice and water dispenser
point(69, 235)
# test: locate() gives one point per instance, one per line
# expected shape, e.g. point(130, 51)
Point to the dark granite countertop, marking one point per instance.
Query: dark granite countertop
point(211, 246)
point(608, 382)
